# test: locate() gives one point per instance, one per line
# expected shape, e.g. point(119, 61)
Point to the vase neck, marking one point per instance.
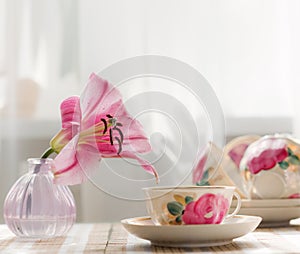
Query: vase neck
point(37, 165)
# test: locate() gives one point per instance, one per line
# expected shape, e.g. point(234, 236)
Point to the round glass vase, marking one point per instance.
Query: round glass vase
point(36, 207)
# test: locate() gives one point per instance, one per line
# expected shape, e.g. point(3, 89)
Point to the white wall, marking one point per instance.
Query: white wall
point(244, 48)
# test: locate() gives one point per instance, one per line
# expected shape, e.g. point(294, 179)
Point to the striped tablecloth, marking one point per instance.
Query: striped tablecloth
point(112, 238)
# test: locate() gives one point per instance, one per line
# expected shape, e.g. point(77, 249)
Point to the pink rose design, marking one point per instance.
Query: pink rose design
point(208, 209)
point(267, 160)
point(237, 153)
point(198, 171)
point(295, 195)
point(264, 154)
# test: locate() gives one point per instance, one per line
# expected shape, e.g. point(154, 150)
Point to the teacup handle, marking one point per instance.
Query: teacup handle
point(238, 206)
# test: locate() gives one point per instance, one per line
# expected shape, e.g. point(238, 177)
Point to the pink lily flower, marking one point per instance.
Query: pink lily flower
point(96, 126)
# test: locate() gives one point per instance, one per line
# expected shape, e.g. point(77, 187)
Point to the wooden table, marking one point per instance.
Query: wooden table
point(112, 238)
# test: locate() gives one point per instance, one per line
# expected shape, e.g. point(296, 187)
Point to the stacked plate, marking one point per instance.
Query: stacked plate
point(274, 212)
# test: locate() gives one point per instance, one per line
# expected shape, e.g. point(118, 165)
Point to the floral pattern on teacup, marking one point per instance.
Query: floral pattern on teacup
point(268, 159)
point(274, 160)
point(207, 209)
point(208, 171)
point(295, 195)
point(236, 154)
point(267, 153)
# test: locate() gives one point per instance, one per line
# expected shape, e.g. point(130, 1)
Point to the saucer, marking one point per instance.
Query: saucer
point(255, 203)
point(273, 216)
point(191, 235)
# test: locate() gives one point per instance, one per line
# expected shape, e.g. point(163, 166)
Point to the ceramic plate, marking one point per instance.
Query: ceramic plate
point(255, 203)
point(191, 235)
point(273, 216)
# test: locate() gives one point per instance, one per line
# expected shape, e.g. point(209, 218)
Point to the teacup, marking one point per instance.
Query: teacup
point(271, 168)
point(190, 204)
point(216, 168)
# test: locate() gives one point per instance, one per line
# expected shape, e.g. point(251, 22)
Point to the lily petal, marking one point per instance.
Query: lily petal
point(71, 117)
point(98, 96)
point(61, 139)
point(135, 138)
point(70, 112)
point(75, 162)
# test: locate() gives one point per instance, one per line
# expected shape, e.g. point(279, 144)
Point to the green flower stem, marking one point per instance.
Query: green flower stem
point(48, 152)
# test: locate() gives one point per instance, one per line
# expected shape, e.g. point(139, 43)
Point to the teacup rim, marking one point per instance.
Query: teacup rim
point(184, 187)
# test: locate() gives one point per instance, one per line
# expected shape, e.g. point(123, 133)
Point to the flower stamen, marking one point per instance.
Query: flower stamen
point(111, 137)
point(105, 125)
point(115, 126)
point(120, 145)
point(120, 133)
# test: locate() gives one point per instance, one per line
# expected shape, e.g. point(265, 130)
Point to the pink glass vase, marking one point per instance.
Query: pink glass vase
point(36, 207)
